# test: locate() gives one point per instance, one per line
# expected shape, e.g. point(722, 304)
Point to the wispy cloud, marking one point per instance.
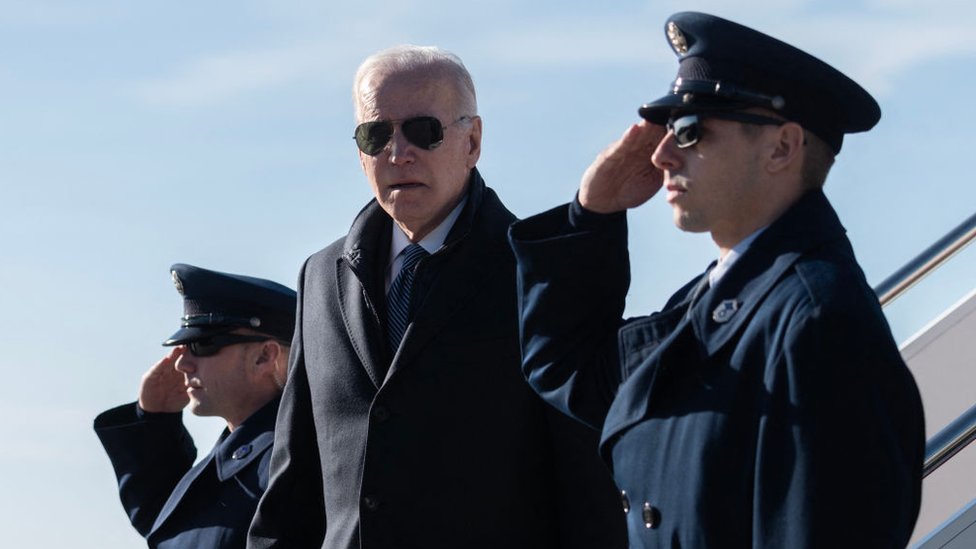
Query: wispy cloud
point(878, 49)
point(48, 14)
point(875, 45)
point(219, 76)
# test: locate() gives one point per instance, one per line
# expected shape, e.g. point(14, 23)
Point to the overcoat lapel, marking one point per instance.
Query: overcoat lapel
point(647, 347)
point(657, 348)
point(184, 486)
point(726, 309)
point(460, 276)
point(359, 288)
point(459, 270)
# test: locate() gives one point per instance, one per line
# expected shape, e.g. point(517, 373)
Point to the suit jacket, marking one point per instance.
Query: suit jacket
point(170, 501)
point(443, 445)
point(774, 411)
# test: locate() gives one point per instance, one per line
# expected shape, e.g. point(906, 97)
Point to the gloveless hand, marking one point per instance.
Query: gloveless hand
point(622, 176)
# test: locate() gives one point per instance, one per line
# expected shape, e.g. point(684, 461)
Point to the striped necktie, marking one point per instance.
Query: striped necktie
point(398, 299)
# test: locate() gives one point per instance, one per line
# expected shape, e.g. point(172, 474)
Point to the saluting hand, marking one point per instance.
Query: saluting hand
point(162, 388)
point(622, 176)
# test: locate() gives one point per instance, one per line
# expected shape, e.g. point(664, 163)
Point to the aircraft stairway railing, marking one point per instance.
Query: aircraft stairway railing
point(954, 437)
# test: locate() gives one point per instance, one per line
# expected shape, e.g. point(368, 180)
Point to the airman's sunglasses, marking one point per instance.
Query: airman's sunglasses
point(212, 345)
point(687, 128)
point(426, 132)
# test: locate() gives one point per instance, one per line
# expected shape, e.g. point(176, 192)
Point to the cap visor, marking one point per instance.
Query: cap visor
point(193, 333)
point(660, 110)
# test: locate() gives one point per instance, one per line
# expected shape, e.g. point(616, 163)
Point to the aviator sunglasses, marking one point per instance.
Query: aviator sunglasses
point(210, 346)
point(687, 128)
point(426, 132)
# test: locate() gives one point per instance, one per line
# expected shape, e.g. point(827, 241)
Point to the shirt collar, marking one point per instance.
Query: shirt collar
point(433, 241)
point(725, 262)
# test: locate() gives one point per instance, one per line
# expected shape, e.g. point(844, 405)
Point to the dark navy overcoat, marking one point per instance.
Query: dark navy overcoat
point(443, 445)
point(776, 412)
point(173, 503)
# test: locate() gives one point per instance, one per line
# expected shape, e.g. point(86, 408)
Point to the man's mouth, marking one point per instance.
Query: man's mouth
point(405, 186)
point(675, 190)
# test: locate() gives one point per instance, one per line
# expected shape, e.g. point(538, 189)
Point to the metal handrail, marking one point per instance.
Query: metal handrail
point(962, 431)
point(951, 440)
point(927, 261)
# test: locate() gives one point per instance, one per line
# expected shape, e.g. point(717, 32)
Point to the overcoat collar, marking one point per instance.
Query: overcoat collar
point(671, 336)
point(233, 452)
point(475, 248)
point(360, 288)
point(726, 308)
point(242, 446)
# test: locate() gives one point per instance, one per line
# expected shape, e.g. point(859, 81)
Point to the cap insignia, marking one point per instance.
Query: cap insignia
point(677, 38)
point(177, 282)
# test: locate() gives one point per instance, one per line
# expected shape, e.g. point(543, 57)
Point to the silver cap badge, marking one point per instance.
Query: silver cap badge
point(677, 38)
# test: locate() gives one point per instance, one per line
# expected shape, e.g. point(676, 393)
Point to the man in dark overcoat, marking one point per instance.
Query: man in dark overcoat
point(766, 405)
point(406, 422)
point(228, 360)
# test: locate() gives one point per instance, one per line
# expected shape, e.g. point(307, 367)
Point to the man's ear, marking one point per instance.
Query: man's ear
point(787, 148)
point(269, 353)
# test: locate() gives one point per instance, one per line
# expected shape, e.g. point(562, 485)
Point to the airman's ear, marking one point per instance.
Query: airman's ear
point(787, 148)
point(269, 352)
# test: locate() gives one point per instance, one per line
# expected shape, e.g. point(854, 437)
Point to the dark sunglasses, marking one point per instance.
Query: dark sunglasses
point(426, 132)
point(212, 345)
point(687, 128)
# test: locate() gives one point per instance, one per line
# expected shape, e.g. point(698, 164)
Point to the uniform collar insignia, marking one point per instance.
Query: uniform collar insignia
point(242, 452)
point(724, 311)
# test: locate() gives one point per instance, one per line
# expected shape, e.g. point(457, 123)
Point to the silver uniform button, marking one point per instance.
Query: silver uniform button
point(625, 501)
point(371, 503)
point(651, 516)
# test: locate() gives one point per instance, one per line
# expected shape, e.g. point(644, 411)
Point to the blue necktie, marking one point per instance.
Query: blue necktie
point(398, 299)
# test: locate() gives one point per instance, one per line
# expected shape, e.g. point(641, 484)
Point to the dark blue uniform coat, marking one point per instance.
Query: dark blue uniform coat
point(776, 412)
point(444, 445)
point(170, 501)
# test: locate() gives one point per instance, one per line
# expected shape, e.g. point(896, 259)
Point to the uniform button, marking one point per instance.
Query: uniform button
point(371, 503)
point(381, 413)
point(625, 501)
point(651, 516)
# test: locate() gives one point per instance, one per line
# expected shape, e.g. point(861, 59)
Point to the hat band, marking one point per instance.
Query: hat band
point(212, 319)
point(727, 91)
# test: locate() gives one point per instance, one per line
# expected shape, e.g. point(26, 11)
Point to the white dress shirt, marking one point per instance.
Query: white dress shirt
point(432, 242)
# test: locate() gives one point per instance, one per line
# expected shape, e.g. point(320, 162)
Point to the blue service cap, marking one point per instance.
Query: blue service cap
point(215, 302)
point(726, 66)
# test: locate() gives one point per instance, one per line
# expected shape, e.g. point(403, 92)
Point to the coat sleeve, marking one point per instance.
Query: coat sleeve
point(150, 453)
point(841, 434)
point(573, 273)
point(291, 512)
point(589, 504)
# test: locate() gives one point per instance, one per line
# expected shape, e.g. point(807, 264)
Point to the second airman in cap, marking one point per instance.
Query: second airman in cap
point(229, 360)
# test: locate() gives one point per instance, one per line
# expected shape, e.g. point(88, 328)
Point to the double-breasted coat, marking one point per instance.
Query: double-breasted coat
point(443, 445)
point(773, 411)
point(170, 501)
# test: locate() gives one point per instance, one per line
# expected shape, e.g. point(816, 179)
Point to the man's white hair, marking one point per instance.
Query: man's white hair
point(409, 58)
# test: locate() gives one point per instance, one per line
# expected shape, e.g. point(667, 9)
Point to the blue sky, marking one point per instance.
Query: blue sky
point(135, 135)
